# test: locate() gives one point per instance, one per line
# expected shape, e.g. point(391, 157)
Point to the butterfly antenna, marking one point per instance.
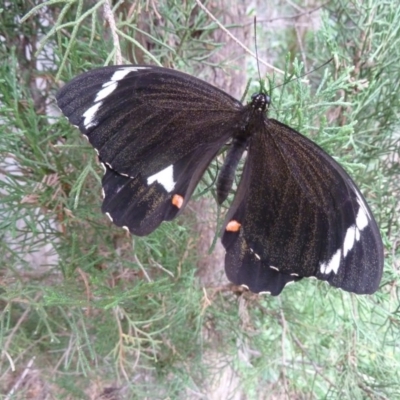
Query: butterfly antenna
point(256, 49)
point(245, 91)
point(306, 73)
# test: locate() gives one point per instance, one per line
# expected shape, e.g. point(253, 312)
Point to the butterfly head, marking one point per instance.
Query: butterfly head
point(260, 102)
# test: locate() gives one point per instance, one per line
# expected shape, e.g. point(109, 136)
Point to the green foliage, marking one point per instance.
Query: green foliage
point(99, 311)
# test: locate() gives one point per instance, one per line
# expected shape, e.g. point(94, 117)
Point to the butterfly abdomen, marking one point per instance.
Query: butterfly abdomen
point(251, 120)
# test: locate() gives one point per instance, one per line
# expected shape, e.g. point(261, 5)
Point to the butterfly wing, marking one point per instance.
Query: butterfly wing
point(141, 205)
point(155, 130)
point(298, 214)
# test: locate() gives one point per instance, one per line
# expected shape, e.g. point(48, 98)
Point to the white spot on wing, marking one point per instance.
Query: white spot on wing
point(90, 115)
point(277, 269)
point(255, 254)
point(165, 178)
point(109, 216)
point(352, 236)
point(353, 233)
point(122, 72)
point(332, 265)
point(362, 218)
point(362, 204)
point(350, 239)
point(289, 283)
point(107, 90)
point(111, 85)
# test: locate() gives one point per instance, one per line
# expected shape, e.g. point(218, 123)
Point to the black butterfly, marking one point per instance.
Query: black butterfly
point(296, 212)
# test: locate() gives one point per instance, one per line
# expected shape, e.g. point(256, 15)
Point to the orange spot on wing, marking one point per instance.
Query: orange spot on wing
point(233, 226)
point(177, 200)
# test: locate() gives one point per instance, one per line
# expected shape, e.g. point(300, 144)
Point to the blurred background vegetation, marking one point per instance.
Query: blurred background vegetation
point(88, 312)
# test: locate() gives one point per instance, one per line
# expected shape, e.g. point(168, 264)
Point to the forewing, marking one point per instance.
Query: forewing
point(297, 214)
point(142, 119)
point(155, 130)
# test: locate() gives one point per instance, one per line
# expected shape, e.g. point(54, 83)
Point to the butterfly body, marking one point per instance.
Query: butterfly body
point(296, 213)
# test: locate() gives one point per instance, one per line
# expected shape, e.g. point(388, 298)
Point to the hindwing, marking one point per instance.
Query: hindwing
point(141, 204)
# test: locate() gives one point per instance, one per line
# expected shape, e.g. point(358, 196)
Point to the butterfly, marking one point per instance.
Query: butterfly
point(296, 212)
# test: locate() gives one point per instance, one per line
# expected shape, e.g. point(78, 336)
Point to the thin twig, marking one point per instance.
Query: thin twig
point(162, 268)
point(20, 379)
point(316, 367)
point(206, 302)
point(109, 16)
point(120, 344)
point(302, 52)
point(295, 16)
point(137, 261)
point(234, 39)
point(19, 322)
point(283, 340)
point(87, 286)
